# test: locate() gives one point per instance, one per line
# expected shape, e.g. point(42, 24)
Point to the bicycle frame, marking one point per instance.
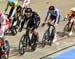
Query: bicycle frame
point(70, 26)
point(26, 42)
point(48, 37)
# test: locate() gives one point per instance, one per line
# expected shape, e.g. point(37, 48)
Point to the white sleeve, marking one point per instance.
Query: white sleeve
point(27, 2)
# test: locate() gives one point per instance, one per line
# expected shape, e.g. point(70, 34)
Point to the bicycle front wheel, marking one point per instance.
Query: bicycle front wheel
point(45, 37)
point(21, 45)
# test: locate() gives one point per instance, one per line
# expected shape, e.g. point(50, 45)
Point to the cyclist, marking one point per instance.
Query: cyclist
point(53, 15)
point(4, 23)
point(53, 18)
point(13, 4)
point(20, 10)
point(71, 16)
point(4, 26)
point(33, 20)
point(25, 3)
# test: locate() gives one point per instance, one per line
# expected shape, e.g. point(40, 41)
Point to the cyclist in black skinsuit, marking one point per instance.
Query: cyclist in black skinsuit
point(33, 19)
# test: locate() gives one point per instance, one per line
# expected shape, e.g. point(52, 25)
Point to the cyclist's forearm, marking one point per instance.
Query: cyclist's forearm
point(47, 14)
point(57, 18)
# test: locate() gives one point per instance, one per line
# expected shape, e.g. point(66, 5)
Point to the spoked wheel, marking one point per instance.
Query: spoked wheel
point(22, 45)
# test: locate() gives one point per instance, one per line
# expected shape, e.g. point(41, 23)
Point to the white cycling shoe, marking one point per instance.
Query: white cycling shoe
point(55, 38)
point(70, 33)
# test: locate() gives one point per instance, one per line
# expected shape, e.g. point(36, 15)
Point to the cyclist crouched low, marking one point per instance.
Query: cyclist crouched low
point(70, 16)
point(32, 19)
point(53, 18)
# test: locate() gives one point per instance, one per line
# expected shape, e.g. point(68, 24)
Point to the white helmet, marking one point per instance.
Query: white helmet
point(73, 9)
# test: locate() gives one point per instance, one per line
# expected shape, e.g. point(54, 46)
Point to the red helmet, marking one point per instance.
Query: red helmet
point(51, 8)
point(0, 14)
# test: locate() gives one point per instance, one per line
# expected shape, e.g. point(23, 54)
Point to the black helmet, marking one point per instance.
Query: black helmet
point(28, 10)
point(18, 8)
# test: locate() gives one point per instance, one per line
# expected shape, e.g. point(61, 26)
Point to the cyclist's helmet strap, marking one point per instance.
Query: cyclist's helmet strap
point(51, 7)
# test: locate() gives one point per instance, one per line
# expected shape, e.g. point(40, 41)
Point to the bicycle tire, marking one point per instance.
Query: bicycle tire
point(67, 27)
point(44, 39)
point(21, 49)
point(49, 34)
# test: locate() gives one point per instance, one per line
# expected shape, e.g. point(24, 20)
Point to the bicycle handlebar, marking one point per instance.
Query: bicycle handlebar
point(45, 24)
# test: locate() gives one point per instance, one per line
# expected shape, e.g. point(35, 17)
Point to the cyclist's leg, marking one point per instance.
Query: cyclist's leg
point(22, 25)
point(72, 26)
point(35, 29)
point(36, 35)
point(54, 31)
point(52, 19)
point(10, 13)
point(54, 37)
